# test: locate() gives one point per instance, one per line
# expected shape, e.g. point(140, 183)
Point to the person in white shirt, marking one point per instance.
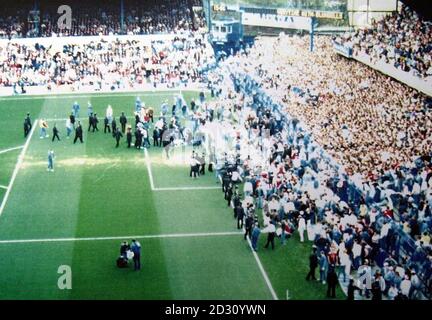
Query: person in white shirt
point(274, 205)
point(247, 188)
point(235, 178)
point(271, 233)
point(405, 286)
point(345, 263)
point(109, 113)
point(301, 226)
point(356, 250)
point(310, 231)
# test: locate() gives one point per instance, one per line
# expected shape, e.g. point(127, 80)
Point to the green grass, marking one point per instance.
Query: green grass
point(100, 191)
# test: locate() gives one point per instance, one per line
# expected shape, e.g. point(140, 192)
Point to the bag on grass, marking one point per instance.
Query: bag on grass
point(121, 262)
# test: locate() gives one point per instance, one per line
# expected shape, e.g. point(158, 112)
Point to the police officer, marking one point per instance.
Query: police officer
point(107, 126)
point(26, 128)
point(95, 122)
point(72, 119)
point(27, 125)
point(114, 125)
point(248, 226)
point(138, 138)
point(90, 118)
point(118, 135)
point(55, 133)
point(78, 133)
point(129, 136)
point(123, 121)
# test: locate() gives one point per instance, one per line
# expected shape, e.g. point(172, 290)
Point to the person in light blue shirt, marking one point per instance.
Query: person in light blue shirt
point(89, 109)
point(323, 264)
point(50, 161)
point(138, 104)
point(76, 109)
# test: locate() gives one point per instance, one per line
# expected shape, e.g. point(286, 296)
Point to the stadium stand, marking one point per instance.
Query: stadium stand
point(402, 39)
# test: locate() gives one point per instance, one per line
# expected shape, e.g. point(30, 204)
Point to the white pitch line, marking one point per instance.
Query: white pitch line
point(153, 188)
point(153, 236)
point(94, 95)
point(77, 119)
point(3, 187)
point(11, 149)
point(185, 188)
point(17, 167)
point(263, 272)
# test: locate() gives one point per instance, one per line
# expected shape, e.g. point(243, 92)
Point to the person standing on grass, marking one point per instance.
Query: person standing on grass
point(72, 119)
point(90, 120)
point(43, 128)
point(26, 128)
point(136, 249)
point(113, 125)
point(271, 233)
point(248, 226)
point(95, 122)
point(240, 216)
point(68, 128)
point(55, 133)
point(129, 136)
point(301, 226)
point(27, 125)
point(89, 109)
point(123, 122)
point(332, 281)
point(107, 126)
point(78, 133)
point(76, 109)
point(313, 264)
point(323, 264)
point(255, 236)
point(50, 160)
point(138, 138)
point(109, 113)
point(146, 141)
point(118, 135)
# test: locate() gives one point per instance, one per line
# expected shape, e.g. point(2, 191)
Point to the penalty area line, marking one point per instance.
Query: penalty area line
point(153, 188)
point(11, 149)
point(151, 236)
point(263, 272)
point(17, 167)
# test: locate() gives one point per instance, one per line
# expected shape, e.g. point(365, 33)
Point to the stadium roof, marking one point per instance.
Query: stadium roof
point(423, 8)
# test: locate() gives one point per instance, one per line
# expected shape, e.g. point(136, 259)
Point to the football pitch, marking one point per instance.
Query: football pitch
point(100, 195)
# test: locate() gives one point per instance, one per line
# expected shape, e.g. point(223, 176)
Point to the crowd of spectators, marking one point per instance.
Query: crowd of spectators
point(402, 39)
point(90, 19)
point(115, 64)
point(271, 120)
point(368, 122)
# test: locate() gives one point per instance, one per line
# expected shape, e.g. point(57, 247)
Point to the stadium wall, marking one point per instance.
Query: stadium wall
point(402, 76)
